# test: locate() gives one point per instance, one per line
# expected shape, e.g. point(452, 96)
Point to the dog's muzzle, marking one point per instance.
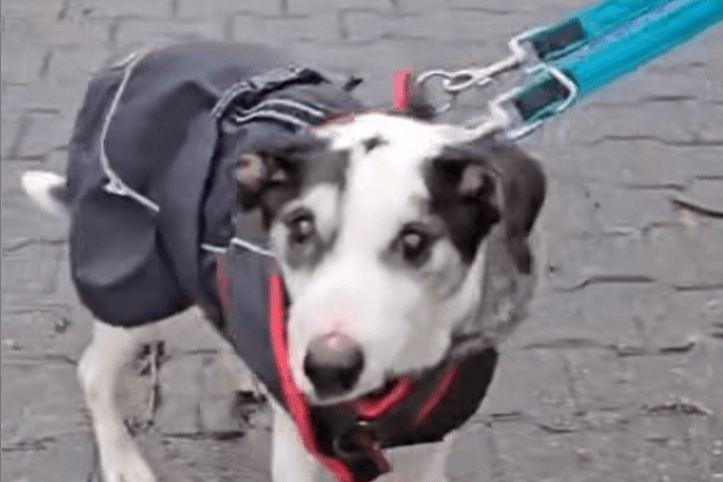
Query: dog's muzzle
point(346, 438)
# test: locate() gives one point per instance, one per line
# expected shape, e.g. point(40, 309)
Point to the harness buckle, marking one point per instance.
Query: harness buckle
point(361, 450)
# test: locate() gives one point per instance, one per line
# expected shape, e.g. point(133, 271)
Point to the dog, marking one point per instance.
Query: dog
point(366, 264)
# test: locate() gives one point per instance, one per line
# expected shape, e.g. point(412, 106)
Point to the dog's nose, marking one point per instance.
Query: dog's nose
point(333, 363)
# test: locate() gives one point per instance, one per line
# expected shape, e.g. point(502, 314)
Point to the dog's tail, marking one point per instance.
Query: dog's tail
point(48, 190)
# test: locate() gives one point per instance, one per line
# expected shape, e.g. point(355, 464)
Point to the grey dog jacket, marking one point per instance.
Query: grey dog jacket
point(151, 210)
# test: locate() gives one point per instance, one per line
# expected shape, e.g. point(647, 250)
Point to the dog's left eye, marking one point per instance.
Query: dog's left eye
point(415, 246)
point(301, 228)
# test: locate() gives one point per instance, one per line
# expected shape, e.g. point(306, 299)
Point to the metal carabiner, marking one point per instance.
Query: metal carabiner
point(502, 120)
point(458, 81)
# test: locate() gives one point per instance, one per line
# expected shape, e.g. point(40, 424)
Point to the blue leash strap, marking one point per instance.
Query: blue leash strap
point(577, 28)
point(621, 50)
point(581, 53)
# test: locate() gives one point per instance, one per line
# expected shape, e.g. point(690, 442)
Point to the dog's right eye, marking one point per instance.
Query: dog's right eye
point(415, 246)
point(301, 228)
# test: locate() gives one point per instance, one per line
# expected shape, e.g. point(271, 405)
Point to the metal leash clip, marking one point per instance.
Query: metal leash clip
point(502, 117)
point(461, 80)
point(508, 118)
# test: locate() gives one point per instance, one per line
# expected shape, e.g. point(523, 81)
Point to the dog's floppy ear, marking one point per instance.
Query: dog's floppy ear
point(462, 189)
point(253, 171)
point(258, 170)
point(523, 188)
point(518, 194)
point(502, 182)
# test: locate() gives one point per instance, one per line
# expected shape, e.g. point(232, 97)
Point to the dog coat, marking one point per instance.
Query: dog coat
point(152, 162)
point(152, 188)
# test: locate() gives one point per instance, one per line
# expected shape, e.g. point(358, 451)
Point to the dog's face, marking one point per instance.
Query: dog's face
point(379, 226)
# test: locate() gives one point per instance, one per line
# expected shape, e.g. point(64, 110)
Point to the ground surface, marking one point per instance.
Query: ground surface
point(617, 375)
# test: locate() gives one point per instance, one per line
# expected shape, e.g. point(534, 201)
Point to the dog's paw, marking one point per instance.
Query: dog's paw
point(127, 467)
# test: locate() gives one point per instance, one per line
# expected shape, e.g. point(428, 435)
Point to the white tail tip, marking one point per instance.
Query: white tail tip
point(45, 189)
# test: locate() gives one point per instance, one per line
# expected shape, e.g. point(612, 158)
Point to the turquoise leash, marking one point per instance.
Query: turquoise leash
point(581, 53)
point(576, 29)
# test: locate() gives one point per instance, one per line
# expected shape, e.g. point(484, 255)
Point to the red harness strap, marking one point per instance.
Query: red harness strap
point(402, 89)
point(295, 402)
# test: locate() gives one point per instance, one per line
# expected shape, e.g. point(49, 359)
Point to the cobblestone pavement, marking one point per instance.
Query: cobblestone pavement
point(618, 373)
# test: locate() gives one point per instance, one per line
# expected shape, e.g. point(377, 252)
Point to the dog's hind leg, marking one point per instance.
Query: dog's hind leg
point(98, 372)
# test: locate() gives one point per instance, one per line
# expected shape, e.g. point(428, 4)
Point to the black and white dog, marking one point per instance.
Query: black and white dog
point(365, 264)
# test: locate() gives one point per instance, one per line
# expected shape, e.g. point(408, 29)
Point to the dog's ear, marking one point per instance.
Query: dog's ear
point(523, 188)
point(491, 183)
point(259, 170)
point(462, 191)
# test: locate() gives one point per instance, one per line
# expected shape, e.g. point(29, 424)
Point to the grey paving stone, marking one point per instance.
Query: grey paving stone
point(39, 334)
point(194, 9)
point(665, 255)
point(44, 100)
point(577, 320)
point(644, 165)
point(466, 24)
point(530, 454)
point(9, 130)
point(26, 415)
point(322, 27)
point(33, 30)
point(64, 458)
point(181, 384)
point(18, 10)
point(31, 271)
point(536, 397)
point(294, 7)
point(212, 9)
point(366, 25)
point(150, 8)
point(21, 64)
point(148, 31)
point(247, 28)
point(42, 133)
point(73, 67)
point(474, 456)
point(624, 455)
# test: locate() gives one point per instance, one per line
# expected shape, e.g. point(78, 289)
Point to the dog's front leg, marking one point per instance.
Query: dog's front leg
point(290, 462)
point(98, 371)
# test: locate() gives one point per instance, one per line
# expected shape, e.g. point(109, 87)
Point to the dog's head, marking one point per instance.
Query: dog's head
point(382, 227)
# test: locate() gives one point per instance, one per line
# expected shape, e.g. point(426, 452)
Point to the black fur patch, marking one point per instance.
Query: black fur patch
point(309, 253)
point(292, 169)
point(468, 218)
point(373, 142)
